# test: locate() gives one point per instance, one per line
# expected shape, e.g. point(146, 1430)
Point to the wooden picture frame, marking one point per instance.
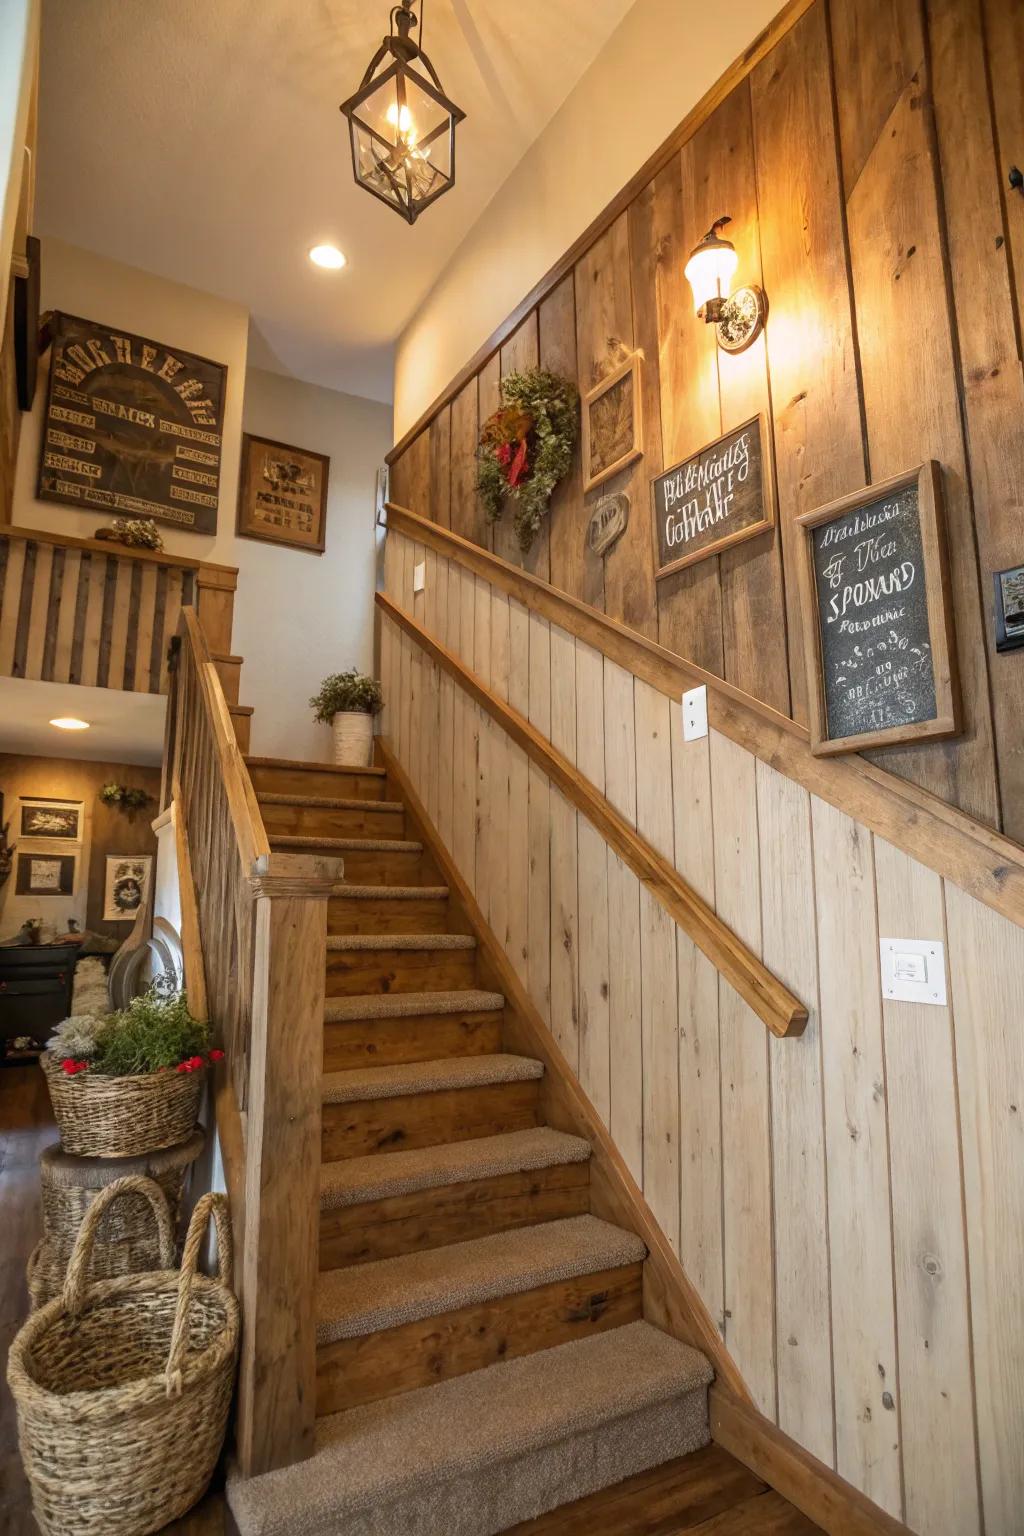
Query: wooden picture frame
point(884, 640)
point(715, 497)
point(45, 874)
point(126, 880)
point(41, 818)
point(282, 494)
point(612, 423)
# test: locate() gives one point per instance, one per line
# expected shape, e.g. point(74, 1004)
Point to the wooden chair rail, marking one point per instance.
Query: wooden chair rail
point(773, 1003)
point(984, 863)
point(224, 575)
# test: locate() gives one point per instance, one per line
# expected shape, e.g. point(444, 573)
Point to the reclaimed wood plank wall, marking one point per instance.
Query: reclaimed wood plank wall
point(847, 1202)
point(864, 161)
point(72, 615)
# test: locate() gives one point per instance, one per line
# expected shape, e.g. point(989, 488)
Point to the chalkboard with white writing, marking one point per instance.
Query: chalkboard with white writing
point(878, 620)
point(715, 499)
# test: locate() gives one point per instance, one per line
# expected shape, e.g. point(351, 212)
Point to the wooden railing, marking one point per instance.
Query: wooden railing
point(260, 921)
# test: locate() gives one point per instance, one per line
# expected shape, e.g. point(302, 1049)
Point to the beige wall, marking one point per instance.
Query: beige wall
point(19, 45)
point(655, 66)
point(297, 616)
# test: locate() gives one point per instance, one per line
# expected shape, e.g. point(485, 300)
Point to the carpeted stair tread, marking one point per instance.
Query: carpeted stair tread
point(357, 941)
point(478, 1453)
point(297, 762)
point(390, 892)
point(325, 803)
point(394, 1082)
point(408, 1005)
point(365, 1298)
point(354, 1180)
point(345, 844)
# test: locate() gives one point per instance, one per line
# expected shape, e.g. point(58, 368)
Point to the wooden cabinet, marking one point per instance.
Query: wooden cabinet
point(35, 993)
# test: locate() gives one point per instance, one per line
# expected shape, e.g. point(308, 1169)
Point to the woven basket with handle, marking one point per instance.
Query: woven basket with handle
point(123, 1387)
point(122, 1116)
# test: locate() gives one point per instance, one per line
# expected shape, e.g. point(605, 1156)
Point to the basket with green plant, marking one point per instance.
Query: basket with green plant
point(129, 1081)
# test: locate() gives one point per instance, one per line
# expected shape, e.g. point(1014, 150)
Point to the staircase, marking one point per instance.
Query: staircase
point(482, 1354)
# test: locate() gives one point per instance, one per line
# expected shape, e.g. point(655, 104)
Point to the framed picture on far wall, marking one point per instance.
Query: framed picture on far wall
point(45, 874)
point(51, 818)
point(611, 424)
point(126, 886)
point(282, 494)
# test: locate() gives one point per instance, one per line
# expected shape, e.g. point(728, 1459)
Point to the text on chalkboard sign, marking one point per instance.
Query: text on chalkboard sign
point(715, 499)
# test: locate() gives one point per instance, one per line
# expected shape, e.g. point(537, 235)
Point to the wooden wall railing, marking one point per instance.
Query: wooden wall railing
point(86, 611)
point(260, 919)
point(875, 1155)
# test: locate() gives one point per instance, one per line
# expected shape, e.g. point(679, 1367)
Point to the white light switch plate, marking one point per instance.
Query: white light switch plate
point(914, 971)
point(419, 576)
point(695, 714)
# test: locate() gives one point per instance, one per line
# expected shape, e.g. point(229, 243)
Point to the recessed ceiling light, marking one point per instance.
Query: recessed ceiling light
point(69, 723)
point(328, 256)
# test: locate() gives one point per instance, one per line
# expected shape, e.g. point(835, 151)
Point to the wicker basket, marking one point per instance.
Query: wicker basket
point(126, 1243)
point(122, 1116)
point(123, 1388)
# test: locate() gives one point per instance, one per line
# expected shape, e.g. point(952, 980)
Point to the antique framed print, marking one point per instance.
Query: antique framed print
point(51, 818)
point(45, 874)
point(611, 423)
point(131, 426)
point(718, 497)
point(125, 885)
point(1009, 608)
point(282, 494)
point(878, 616)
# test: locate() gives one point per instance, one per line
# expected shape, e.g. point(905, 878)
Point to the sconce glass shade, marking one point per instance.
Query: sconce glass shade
point(711, 268)
point(402, 126)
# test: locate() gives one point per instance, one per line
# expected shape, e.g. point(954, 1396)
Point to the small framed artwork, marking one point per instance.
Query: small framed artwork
point(45, 874)
point(1009, 595)
point(125, 886)
point(382, 496)
point(878, 616)
point(282, 494)
point(611, 425)
point(52, 818)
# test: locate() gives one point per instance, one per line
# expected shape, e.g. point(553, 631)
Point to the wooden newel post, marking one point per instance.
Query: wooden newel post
point(279, 1262)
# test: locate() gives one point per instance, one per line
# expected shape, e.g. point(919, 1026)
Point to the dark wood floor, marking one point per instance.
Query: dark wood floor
point(708, 1494)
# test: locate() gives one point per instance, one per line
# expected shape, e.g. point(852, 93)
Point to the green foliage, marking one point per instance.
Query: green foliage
point(124, 797)
point(349, 690)
point(547, 408)
point(155, 1031)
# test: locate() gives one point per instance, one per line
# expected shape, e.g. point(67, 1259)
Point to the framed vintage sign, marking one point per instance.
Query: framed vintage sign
point(718, 497)
point(612, 423)
point(51, 818)
point(125, 885)
point(878, 616)
point(45, 874)
point(282, 494)
point(131, 426)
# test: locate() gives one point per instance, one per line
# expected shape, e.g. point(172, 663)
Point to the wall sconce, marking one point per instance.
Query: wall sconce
point(739, 317)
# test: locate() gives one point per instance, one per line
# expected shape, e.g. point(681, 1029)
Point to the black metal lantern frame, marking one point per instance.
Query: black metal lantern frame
point(404, 168)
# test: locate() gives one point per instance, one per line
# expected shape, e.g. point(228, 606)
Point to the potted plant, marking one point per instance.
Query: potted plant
point(348, 701)
point(128, 1082)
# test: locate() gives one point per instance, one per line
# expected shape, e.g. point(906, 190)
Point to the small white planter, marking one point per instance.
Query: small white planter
point(353, 738)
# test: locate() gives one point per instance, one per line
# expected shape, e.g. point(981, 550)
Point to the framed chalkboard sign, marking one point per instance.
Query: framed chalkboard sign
point(878, 617)
point(132, 426)
point(719, 497)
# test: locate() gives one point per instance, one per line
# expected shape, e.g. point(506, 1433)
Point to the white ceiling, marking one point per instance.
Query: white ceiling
point(123, 727)
point(201, 140)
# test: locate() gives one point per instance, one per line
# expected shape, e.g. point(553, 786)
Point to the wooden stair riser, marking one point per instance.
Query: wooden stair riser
point(241, 721)
point(428, 1119)
point(406, 914)
point(316, 821)
point(423, 1037)
point(359, 972)
point(376, 866)
point(326, 783)
point(453, 1213)
point(397, 1360)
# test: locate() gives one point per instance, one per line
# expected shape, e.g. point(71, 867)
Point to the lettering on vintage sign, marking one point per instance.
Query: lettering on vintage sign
point(131, 404)
point(716, 498)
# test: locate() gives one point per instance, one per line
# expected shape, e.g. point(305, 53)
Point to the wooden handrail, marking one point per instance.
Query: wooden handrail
point(773, 1003)
point(225, 575)
point(980, 860)
point(258, 920)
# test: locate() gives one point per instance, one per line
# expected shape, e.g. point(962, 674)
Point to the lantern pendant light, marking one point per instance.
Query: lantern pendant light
point(738, 317)
point(402, 125)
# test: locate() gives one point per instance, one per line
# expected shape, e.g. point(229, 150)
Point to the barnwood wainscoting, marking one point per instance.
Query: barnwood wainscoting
point(862, 148)
point(845, 1200)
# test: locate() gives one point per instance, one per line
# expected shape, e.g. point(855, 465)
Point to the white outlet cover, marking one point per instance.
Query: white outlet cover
point(913, 971)
point(695, 714)
point(419, 576)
